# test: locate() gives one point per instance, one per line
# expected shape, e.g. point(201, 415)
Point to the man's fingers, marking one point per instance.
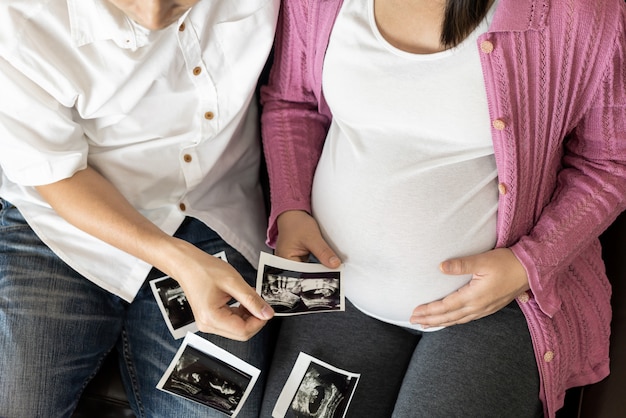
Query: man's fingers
point(247, 296)
point(255, 304)
point(231, 322)
point(239, 322)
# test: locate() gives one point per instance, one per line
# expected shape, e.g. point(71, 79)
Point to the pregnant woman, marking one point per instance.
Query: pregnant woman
point(460, 158)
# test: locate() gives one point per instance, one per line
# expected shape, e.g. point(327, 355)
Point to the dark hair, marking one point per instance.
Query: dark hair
point(461, 18)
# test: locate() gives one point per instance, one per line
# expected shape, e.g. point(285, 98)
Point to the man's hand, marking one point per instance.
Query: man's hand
point(299, 235)
point(90, 202)
point(209, 283)
point(497, 278)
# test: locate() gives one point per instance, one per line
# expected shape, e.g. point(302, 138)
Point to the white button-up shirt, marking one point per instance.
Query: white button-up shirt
point(167, 116)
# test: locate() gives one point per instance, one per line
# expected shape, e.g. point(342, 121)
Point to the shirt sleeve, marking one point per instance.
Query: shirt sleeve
point(591, 188)
point(40, 141)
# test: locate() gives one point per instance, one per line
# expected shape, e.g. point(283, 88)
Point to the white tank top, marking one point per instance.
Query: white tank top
point(407, 177)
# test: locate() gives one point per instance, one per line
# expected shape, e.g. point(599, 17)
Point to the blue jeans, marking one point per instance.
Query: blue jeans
point(56, 327)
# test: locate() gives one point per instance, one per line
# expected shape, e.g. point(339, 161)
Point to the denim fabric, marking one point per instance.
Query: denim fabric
point(56, 328)
point(485, 368)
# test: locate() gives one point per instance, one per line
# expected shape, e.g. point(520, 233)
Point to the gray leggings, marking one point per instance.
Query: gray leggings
point(485, 368)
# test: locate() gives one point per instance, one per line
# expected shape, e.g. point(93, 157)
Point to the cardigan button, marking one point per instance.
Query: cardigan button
point(486, 47)
point(502, 189)
point(548, 356)
point(499, 124)
point(524, 297)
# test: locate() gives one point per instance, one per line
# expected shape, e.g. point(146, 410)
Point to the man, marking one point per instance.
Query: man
point(129, 148)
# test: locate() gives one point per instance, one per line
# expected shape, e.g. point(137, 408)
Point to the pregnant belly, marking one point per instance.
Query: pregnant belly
point(392, 232)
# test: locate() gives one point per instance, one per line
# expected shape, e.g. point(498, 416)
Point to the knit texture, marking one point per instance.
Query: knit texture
point(555, 76)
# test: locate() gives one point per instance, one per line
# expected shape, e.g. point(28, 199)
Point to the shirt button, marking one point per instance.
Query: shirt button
point(181, 27)
point(182, 207)
point(197, 71)
point(548, 356)
point(187, 158)
point(209, 115)
point(524, 297)
point(502, 189)
point(486, 47)
point(498, 124)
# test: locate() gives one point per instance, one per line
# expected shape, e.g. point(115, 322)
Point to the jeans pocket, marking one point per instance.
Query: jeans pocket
point(7, 212)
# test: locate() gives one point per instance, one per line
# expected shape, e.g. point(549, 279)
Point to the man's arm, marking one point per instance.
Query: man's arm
point(90, 202)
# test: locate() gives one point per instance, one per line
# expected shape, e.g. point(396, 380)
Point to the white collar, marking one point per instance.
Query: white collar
point(98, 20)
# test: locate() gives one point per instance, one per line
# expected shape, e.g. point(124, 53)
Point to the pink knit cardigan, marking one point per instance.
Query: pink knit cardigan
point(555, 77)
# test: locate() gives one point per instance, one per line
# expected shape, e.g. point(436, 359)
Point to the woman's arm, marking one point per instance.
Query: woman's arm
point(294, 131)
point(591, 186)
point(590, 192)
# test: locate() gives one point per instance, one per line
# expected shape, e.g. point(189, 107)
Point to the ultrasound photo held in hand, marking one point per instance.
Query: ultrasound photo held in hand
point(294, 288)
point(174, 305)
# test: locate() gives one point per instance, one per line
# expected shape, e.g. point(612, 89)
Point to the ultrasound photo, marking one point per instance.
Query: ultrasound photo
point(174, 302)
point(316, 390)
point(294, 288)
point(174, 305)
point(206, 374)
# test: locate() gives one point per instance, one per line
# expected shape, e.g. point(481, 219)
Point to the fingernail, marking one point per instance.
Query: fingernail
point(267, 312)
point(445, 266)
point(334, 261)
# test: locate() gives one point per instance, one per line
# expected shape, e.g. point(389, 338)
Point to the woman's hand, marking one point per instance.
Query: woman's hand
point(497, 278)
point(299, 235)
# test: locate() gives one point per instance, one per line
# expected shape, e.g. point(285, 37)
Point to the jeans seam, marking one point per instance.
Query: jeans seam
point(90, 377)
point(95, 371)
point(132, 373)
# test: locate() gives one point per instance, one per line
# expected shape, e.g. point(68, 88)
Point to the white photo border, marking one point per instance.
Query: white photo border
point(301, 366)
